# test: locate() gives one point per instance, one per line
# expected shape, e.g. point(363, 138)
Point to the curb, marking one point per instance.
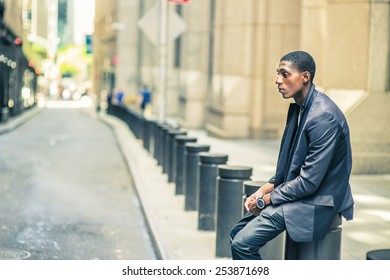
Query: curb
point(174, 230)
point(126, 140)
point(15, 122)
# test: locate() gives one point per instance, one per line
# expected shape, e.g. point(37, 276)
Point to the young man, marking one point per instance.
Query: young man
point(311, 183)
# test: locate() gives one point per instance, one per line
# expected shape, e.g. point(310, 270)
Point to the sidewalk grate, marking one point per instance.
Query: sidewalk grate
point(13, 254)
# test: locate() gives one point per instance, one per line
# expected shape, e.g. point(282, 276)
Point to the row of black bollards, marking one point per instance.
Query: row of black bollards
point(214, 188)
point(208, 184)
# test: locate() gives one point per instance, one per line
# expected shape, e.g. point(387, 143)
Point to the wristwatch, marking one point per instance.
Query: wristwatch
point(260, 202)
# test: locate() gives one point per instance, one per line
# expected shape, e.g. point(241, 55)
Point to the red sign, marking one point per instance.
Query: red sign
point(179, 1)
point(18, 41)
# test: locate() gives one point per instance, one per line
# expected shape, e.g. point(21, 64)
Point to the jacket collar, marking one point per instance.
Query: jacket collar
point(309, 98)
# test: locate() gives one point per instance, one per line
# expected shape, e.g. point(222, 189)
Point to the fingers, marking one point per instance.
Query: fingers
point(256, 211)
point(250, 206)
point(248, 203)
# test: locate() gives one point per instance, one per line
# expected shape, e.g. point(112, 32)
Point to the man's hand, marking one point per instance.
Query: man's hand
point(250, 205)
point(267, 199)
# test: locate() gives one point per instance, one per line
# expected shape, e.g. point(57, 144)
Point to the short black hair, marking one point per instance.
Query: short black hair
point(303, 61)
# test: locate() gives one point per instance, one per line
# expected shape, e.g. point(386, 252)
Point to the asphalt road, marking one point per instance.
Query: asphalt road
point(66, 192)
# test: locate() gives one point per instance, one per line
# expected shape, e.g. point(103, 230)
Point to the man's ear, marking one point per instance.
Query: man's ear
point(306, 77)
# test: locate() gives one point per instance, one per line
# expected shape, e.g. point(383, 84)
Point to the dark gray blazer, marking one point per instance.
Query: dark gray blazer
point(313, 170)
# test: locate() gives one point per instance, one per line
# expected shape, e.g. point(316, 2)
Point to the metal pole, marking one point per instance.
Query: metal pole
point(52, 41)
point(210, 68)
point(163, 53)
point(140, 36)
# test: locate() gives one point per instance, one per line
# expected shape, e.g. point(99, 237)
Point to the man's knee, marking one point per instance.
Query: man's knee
point(244, 252)
point(233, 232)
point(233, 244)
point(236, 246)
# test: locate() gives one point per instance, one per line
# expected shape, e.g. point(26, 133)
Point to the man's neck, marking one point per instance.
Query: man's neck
point(301, 98)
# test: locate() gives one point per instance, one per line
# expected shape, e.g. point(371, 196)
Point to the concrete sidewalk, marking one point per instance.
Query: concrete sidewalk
point(175, 230)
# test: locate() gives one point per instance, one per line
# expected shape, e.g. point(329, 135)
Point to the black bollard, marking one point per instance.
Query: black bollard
point(208, 173)
point(229, 208)
point(327, 249)
point(152, 128)
point(171, 157)
point(180, 159)
point(191, 176)
point(380, 254)
point(166, 151)
point(137, 124)
point(166, 155)
point(157, 140)
point(146, 135)
point(156, 131)
point(161, 156)
point(274, 249)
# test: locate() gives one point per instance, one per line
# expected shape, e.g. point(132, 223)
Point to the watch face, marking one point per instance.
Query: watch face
point(260, 203)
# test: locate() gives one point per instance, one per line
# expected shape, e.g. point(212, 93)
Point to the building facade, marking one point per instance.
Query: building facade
point(221, 71)
point(18, 79)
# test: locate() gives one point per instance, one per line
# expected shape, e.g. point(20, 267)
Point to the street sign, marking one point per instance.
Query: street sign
point(162, 25)
point(150, 25)
point(179, 1)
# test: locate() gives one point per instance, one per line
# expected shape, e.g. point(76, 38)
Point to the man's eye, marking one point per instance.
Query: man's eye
point(285, 75)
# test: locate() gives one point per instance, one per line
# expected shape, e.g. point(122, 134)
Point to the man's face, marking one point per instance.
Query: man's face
point(290, 81)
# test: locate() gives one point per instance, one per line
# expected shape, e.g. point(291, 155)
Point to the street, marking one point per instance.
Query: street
point(66, 192)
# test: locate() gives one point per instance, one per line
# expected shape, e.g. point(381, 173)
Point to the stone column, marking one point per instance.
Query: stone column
point(229, 98)
point(314, 36)
point(194, 64)
point(357, 75)
point(278, 32)
point(250, 38)
point(126, 47)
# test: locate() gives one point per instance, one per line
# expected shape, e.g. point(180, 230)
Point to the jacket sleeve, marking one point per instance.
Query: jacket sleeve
point(322, 133)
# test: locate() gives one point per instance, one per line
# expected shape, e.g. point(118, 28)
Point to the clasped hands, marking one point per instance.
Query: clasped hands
point(251, 205)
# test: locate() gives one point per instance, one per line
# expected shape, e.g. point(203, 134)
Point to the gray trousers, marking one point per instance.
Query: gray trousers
point(253, 232)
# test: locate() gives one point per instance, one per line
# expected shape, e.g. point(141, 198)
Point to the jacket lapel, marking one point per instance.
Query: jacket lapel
point(286, 144)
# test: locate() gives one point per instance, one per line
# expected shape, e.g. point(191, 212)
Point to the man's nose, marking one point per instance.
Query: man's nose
point(278, 80)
